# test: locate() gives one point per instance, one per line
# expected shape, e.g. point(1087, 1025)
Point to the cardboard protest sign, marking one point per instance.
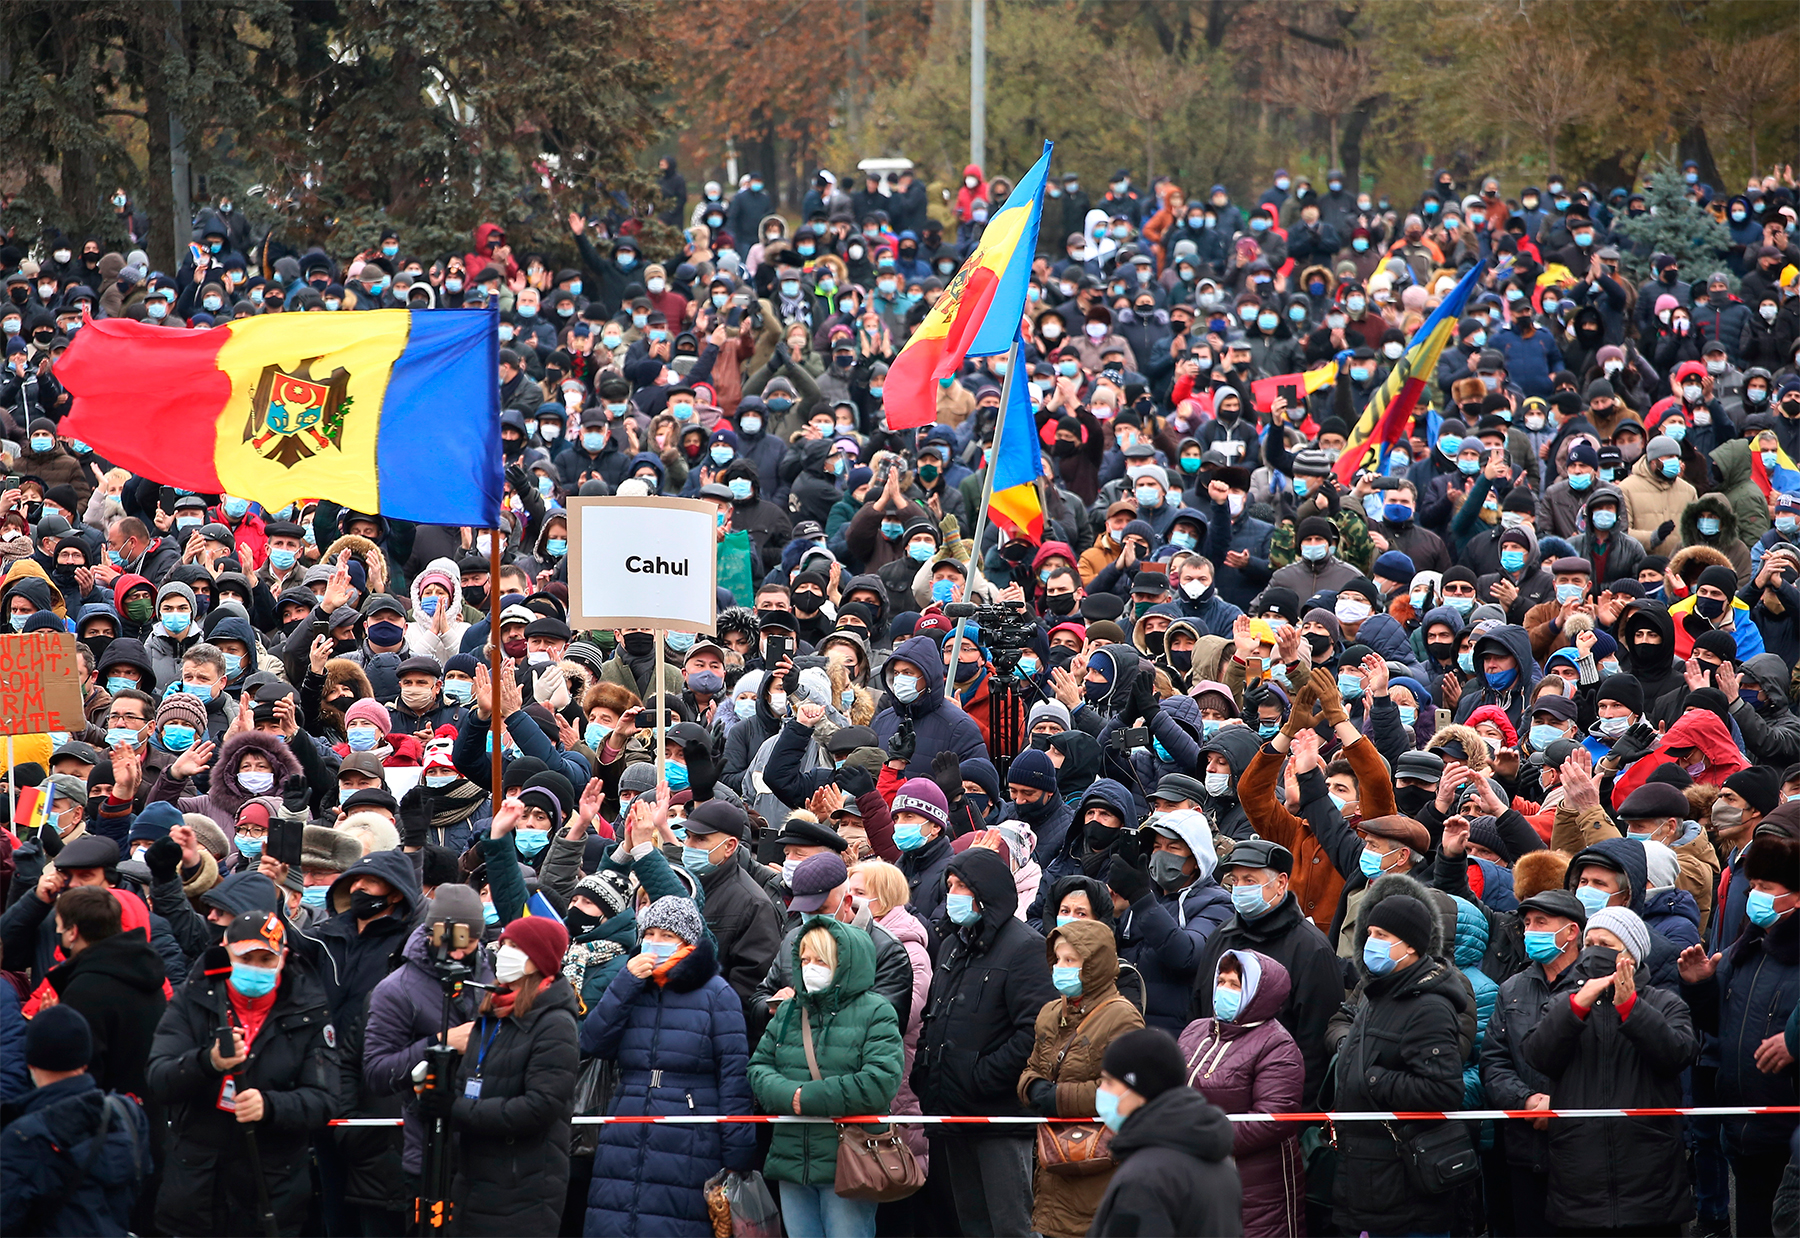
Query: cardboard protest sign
point(40, 684)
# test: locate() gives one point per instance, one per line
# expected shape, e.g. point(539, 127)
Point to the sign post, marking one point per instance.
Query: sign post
point(644, 563)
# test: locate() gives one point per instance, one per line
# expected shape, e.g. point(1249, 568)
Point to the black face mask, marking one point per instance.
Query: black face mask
point(1060, 656)
point(1182, 660)
point(579, 921)
point(1594, 962)
point(1320, 642)
point(640, 644)
point(808, 603)
point(1651, 657)
point(1411, 801)
point(978, 803)
point(1154, 641)
point(1062, 449)
point(366, 906)
point(474, 595)
point(1059, 603)
point(1441, 650)
point(1099, 835)
point(1038, 813)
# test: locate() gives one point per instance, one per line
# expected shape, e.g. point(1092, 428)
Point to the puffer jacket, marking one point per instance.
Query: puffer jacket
point(1070, 1038)
point(939, 725)
point(1470, 948)
point(1743, 1004)
point(1651, 500)
point(513, 1137)
point(1606, 1173)
point(856, 1041)
point(1250, 1064)
point(892, 977)
point(1727, 540)
point(990, 984)
point(1401, 1041)
point(49, 1141)
point(680, 1045)
point(1164, 933)
point(405, 1012)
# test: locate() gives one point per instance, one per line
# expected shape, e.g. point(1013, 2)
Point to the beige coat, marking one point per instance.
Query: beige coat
point(1652, 500)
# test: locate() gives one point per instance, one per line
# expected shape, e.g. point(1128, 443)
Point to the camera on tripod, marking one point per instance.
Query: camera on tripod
point(1006, 627)
point(444, 937)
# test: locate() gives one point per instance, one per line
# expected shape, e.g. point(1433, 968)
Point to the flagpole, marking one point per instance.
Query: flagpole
point(987, 495)
point(497, 724)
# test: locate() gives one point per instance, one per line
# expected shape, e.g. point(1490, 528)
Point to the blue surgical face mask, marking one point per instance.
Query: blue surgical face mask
point(176, 622)
point(1500, 681)
point(697, 860)
point(1566, 593)
point(1512, 560)
point(1226, 1002)
point(530, 842)
point(1378, 957)
point(943, 591)
point(1605, 518)
point(1543, 735)
point(1370, 863)
point(961, 908)
point(1540, 945)
point(1409, 715)
point(1066, 979)
point(1593, 898)
point(1708, 526)
point(254, 981)
point(1760, 907)
point(1349, 686)
point(909, 836)
point(178, 737)
point(458, 691)
point(1462, 606)
point(1248, 901)
point(1106, 1108)
point(677, 773)
point(314, 896)
point(1268, 730)
point(362, 738)
point(250, 848)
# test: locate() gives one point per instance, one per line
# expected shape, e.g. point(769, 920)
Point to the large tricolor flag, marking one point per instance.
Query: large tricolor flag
point(978, 314)
point(1014, 504)
point(1784, 478)
point(390, 411)
point(1390, 408)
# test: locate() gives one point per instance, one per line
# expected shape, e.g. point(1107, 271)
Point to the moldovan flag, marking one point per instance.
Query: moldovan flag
point(32, 807)
point(394, 412)
point(978, 314)
point(1390, 408)
point(1018, 461)
point(1296, 387)
point(1784, 478)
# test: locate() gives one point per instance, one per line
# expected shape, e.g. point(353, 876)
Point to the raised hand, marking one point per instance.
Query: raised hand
point(1376, 668)
point(1696, 965)
point(512, 808)
point(194, 761)
point(1579, 787)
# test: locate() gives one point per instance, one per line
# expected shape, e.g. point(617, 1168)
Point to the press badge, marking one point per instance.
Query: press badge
point(472, 1089)
point(228, 1094)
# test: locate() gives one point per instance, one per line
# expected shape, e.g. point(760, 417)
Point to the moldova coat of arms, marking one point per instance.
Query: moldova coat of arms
point(295, 416)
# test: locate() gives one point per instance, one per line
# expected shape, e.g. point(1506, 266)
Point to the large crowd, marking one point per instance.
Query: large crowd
point(1472, 782)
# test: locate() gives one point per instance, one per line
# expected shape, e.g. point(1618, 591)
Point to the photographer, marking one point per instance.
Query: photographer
point(252, 995)
point(408, 1010)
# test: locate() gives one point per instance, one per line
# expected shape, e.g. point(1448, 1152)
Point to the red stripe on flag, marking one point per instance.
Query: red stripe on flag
point(1393, 420)
point(910, 393)
point(1018, 512)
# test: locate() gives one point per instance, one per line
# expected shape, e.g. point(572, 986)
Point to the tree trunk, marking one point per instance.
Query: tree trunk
point(1351, 153)
point(159, 197)
point(1332, 126)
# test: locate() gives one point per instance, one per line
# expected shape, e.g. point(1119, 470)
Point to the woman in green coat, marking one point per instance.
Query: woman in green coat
point(856, 1039)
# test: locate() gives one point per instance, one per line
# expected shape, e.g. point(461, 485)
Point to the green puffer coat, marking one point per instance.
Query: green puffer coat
point(856, 1037)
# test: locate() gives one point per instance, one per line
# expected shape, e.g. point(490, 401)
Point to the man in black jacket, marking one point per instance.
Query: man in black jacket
point(990, 983)
point(738, 911)
point(821, 886)
point(114, 978)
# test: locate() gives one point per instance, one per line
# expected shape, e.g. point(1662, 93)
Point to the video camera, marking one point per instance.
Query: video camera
point(1007, 628)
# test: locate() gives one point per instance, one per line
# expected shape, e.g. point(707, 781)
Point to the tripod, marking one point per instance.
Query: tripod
point(1008, 696)
point(436, 1075)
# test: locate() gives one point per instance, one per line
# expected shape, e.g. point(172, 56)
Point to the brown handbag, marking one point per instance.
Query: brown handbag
point(873, 1164)
point(1076, 1149)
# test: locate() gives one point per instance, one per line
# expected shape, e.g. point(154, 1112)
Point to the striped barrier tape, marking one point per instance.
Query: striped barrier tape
point(1460, 1115)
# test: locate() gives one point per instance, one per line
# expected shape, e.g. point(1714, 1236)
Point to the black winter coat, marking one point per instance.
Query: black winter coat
point(513, 1139)
point(46, 1146)
point(981, 1014)
point(1175, 1173)
point(1403, 1050)
point(748, 931)
point(1608, 1172)
point(294, 1064)
point(117, 984)
point(1509, 1079)
point(1746, 1002)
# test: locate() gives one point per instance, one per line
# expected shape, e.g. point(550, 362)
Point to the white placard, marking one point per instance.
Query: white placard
point(643, 563)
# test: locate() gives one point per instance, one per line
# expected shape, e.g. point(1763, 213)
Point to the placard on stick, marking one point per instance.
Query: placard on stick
point(643, 563)
point(40, 684)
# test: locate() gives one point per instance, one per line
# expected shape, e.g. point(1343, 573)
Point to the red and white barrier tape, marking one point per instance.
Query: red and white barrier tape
point(1461, 1115)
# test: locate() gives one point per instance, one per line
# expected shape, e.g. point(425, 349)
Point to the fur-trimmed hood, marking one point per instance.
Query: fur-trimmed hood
point(338, 672)
point(369, 555)
point(223, 792)
point(1709, 505)
point(1473, 744)
point(1386, 887)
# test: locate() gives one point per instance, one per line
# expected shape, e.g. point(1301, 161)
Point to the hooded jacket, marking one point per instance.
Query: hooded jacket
point(1071, 854)
point(1071, 1036)
point(1726, 540)
point(938, 724)
point(1250, 1064)
point(117, 983)
point(1625, 856)
point(1622, 553)
point(856, 1041)
point(1225, 812)
point(990, 984)
point(1512, 699)
point(1174, 1174)
point(1164, 933)
point(1657, 670)
point(224, 797)
point(1771, 731)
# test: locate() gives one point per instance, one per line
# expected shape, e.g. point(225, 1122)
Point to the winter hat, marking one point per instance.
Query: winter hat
point(1623, 689)
point(1662, 445)
point(1661, 868)
point(1405, 917)
point(638, 777)
point(181, 708)
point(456, 904)
point(1623, 923)
point(59, 1039)
point(674, 914)
point(543, 939)
point(1049, 710)
point(154, 822)
point(1771, 857)
point(1394, 565)
point(369, 710)
point(925, 797)
point(606, 890)
point(1032, 768)
point(1654, 800)
point(1759, 786)
point(1148, 1061)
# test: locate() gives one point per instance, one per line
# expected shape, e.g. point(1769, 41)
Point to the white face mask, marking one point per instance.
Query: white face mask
point(509, 963)
point(1352, 610)
point(815, 976)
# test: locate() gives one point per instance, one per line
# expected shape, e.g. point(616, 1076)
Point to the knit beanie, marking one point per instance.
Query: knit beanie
point(1624, 690)
point(456, 904)
point(1624, 924)
point(1032, 768)
point(1759, 786)
point(1049, 710)
point(543, 939)
point(182, 709)
point(369, 710)
point(59, 1039)
point(1405, 917)
point(676, 915)
point(154, 822)
point(925, 797)
point(1148, 1061)
point(606, 890)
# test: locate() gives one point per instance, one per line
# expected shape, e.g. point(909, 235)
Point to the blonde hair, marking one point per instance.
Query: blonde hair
point(819, 942)
point(885, 883)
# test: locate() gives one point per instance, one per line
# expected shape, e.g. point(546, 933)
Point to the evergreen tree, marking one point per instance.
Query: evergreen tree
point(1674, 225)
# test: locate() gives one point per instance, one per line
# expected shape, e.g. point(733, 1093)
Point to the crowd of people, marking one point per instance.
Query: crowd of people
point(1473, 782)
